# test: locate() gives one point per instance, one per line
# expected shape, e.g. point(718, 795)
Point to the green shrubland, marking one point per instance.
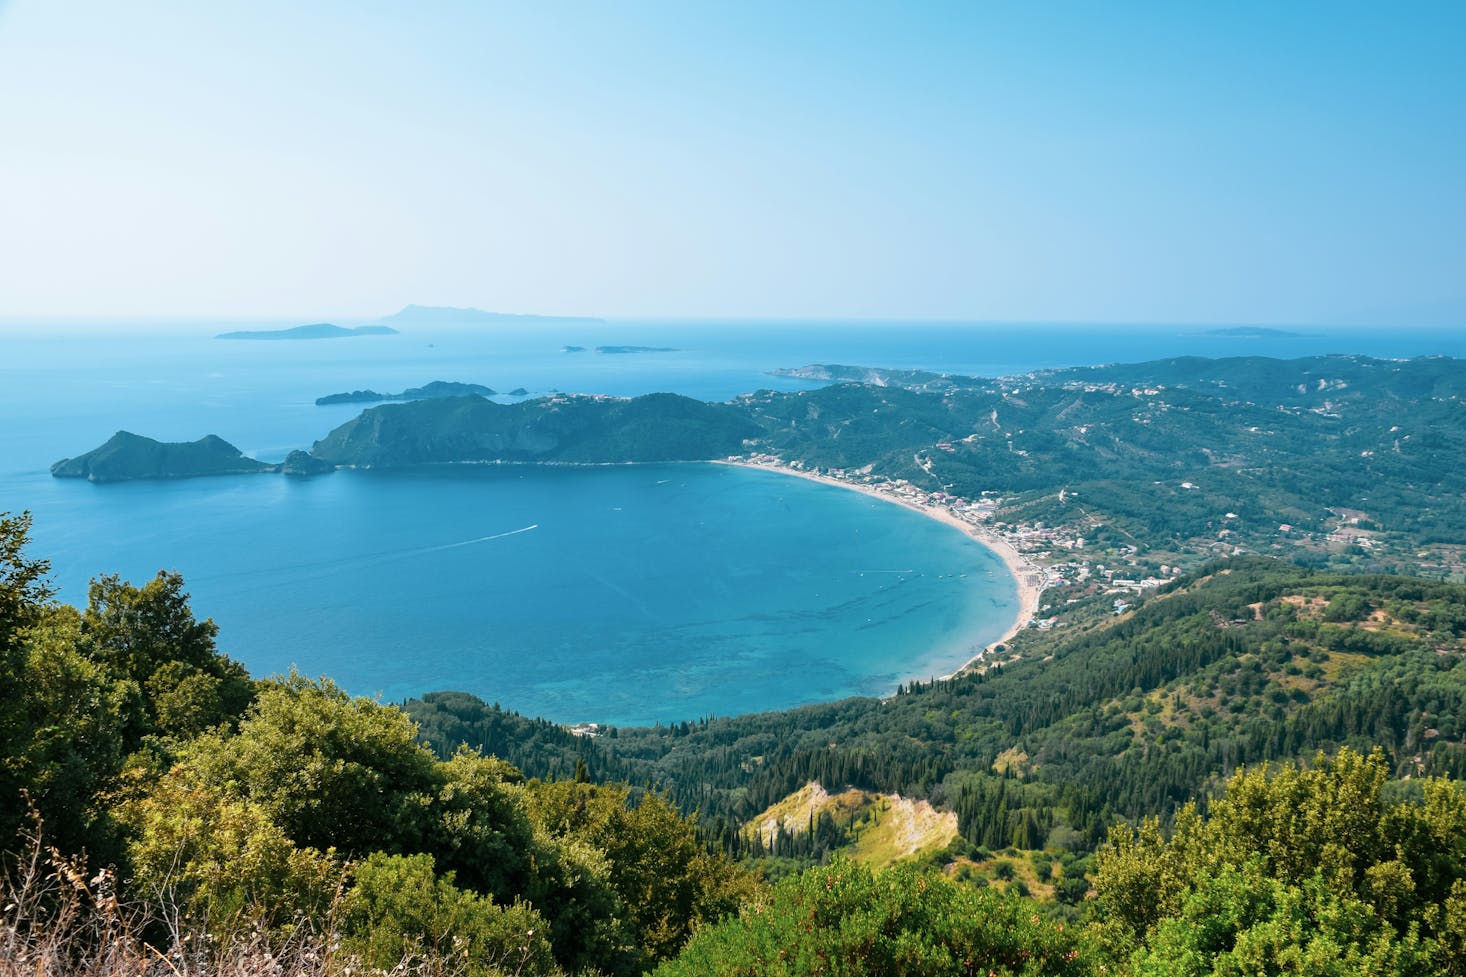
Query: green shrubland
point(163, 812)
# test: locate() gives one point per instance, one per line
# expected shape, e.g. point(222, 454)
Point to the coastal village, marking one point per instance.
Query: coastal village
point(1060, 566)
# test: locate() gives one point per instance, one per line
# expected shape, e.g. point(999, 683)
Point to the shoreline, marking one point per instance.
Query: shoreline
point(1027, 577)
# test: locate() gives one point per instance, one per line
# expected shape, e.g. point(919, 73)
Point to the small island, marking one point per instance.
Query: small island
point(623, 350)
point(315, 330)
point(437, 388)
point(572, 349)
point(127, 456)
point(1251, 332)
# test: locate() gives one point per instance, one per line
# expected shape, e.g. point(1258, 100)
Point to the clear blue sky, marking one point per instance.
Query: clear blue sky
point(1278, 162)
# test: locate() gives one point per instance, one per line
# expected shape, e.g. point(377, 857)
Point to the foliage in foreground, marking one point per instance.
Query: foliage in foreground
point(285, 807)
point(59, 918)
point(845, 919)
point(283, 826)
point(1296, 870)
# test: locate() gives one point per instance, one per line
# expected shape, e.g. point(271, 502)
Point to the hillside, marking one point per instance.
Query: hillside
point(1325, 459)
point(870, 828)
point(245, 825)
point(572, 429)
point(1251, 660)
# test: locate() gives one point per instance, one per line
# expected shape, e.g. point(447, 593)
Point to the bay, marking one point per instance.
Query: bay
point(641, 594)
point(625, 594)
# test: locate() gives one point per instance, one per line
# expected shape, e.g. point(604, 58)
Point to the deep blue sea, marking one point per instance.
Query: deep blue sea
point(626, 595)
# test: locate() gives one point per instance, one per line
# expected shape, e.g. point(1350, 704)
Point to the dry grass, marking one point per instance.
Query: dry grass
point(59, 920)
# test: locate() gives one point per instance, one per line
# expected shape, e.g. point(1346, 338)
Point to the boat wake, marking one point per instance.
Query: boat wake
point(307, 570)
point(472, 542)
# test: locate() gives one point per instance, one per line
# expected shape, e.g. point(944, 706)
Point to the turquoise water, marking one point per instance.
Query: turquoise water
point(641, 594)
point(626, 594)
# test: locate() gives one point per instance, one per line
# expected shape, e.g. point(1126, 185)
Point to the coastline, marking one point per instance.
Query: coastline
point(1027, 577)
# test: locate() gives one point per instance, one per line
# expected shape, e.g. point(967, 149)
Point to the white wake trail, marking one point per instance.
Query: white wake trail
point(481, 539)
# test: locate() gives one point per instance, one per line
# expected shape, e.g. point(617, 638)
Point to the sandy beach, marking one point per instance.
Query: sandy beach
point(1028, 577)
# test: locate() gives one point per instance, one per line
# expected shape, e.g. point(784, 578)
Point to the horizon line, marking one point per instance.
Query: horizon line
point(720, 319)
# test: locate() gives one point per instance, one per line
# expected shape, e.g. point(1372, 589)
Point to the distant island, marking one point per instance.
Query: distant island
point(1251, 332)
point(438, 430)
point(437, 388)
point(128, 456)
point(621, 350)
point(429, 315)
point(316, 330)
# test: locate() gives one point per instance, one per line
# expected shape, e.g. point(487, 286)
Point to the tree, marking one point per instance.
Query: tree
point(399, 913)
point(82, 691)
point(69, 717)
point(664, 880)
point(23, 593)
point(330, 770)
point(843, 919)
point(1296, 869)
point(223, 858)
point(480, 829)
point(149, 635)
point(23, 585)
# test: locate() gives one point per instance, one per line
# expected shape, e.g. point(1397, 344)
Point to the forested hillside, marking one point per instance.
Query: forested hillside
point(1108, 778)
point(1246, 661)
point(1162, 452)
point(165, 813)
point(577, 429)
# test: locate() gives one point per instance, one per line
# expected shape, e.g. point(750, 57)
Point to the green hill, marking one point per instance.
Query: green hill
point(564, 428)
point(1158, 454)
point(128, 456)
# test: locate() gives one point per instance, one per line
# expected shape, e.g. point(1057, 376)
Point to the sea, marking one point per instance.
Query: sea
point(623, 595)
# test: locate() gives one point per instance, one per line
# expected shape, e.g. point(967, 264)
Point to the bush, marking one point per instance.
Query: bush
point(398, 910)
point(843, 919)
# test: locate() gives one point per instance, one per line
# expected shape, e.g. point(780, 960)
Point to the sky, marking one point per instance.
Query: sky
point(1279, 163)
